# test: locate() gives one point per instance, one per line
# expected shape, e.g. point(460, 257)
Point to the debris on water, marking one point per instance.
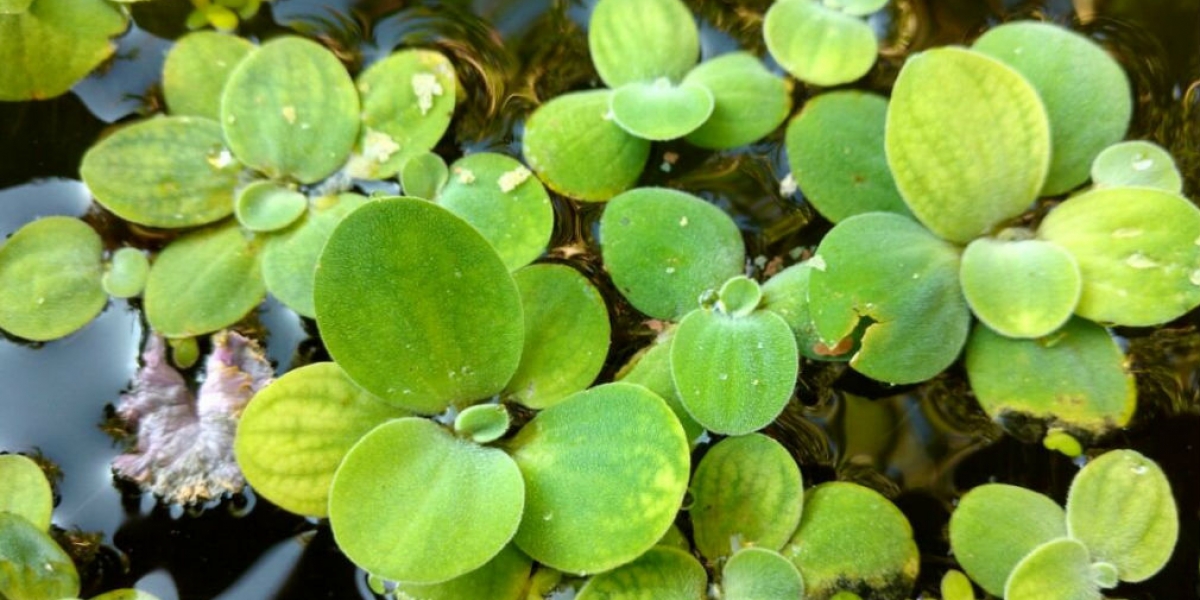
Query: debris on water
point(184, 450)
point(426, 86)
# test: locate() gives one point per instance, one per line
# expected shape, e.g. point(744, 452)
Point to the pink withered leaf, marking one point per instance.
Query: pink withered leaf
point(184, 448)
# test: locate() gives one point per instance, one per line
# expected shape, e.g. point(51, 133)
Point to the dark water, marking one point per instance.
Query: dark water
point(920, 445)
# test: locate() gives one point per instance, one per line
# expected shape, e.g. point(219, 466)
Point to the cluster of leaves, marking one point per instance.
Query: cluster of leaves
point(32, 565)
point(942, 176)
point(1120, 524)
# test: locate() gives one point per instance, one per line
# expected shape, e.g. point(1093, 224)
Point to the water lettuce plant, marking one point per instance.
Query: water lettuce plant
point(592, 145)
point(1120, 524)
point(825, 42)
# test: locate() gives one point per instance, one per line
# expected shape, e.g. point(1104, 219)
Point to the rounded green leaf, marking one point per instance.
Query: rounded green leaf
point(749, 101)
point(1136, 163)
point(674, 538)
point(407, 101)
point(482, 423)
point(1084, 91)
point(196, 70)
point(1136, 249)
point(566, 335)
point(1056, 570)
point(26, 490)
point(786, 294)
point(164, 172)
point(661, 573)
point(739, 296)
point(413, 503)
point(995, 525)
point(424, 175)
point(268, 206)
point(917, 319)
point(859, 8)
point(747, 491)
point(203, 281)
point(50, 278)
point(605, 472)
point(835, 151)
point(664, 248)
point(289, 258)
point(498, 196)
point(658, 110)
point(416, 306)
point(734, 374)
point(968, 141)
point(505, 577)
point(1021, 288)
point(819, 45)
point(851, 538)
point(1120, 506)
point(290, 110)
point(127, 272)
point(956, 586)
point(642, 40)
point(32, 565)
point(574, 146)
point(651, 368)
point(761, 574)
point(295, 432)
point(53, 44)
point(1076, 376)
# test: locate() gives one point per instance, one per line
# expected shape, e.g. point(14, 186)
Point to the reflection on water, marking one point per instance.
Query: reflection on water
point(921, 444)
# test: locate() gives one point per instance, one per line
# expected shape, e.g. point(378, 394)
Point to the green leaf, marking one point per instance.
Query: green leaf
point(658, 110)
point(761, 574)
point(505, 577)
point(1084, 90)
point(482, 423)
point(50, 278)
point(734, 374)
point(642, 40)
point(851, 538)
point(416, 306)
point(956, 586)
point(1120, 506)
point(749, 101)
point(651, 368)
point(164, 172)
point(818, 45)
point(14, 7)
point(413, 503)
point(1056, 570)
point(747, 492)
point(739, 296)
point(1136, 163)
point(424, 175)
point(786, 294)
point(674, 538)
point(268, 206)
point(503, 201)
point(295, 432)
point(1136, 250)
point(196, 70)
point(1076, 377)
point(1020, 288)
point(289, 258)
point(127, 272)
point(968, 141)
point(835, 151)
point(53, 44)
point(664, 248)
point(408, 99)
point(204, 281)
point(909, 295)
point(290, 110)
point(32, 565)
point(26, 490)
point(661, 573)
point(574, 146)
point(859, 8)
point(605, 472)
point(995, 525)
point(566, 335)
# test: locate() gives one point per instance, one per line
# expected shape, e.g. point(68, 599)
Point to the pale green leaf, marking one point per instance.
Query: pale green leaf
point(196, 70)
point(126, 274)
point(786, 294)
point(32, 565)
point(424, 175)
point(1020, 288)
point(48, 46)
point(819, 45)
point(1056, 570)
point(642, 40)
point(761, 574)
point(482, 423)
point(659, 574)
point(26, 490)
point(50, 278)
point(1137, 163)
point(749, 101)
point(659, 110)
point(268, 206)
point(651, 368)
point(505, 577)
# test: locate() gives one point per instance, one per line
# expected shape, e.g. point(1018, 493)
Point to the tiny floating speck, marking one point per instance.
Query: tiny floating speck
point(788, 186)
